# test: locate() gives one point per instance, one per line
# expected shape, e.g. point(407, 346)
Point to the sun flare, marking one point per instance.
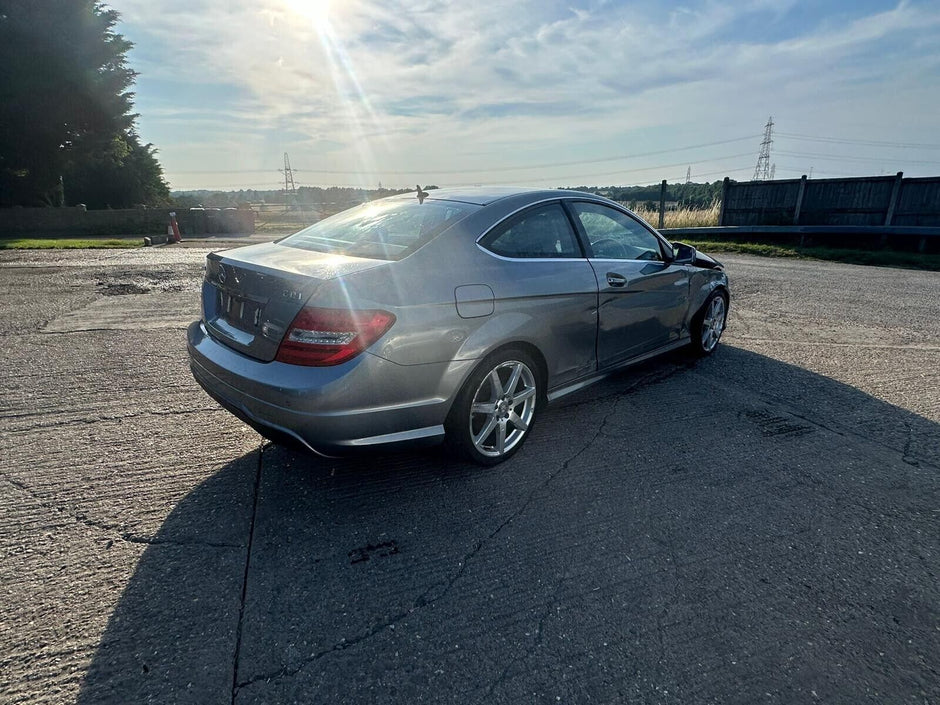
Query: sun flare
point(317, 11)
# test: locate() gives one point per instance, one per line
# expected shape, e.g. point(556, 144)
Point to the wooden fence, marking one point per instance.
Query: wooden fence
point(867, 201)
point(76, 221)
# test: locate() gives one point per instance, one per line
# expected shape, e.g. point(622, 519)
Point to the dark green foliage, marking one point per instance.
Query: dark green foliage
point(125, 175)
point(691, 195)
point(65, 109)
point(876, 258)
point(182, 201)
point(305, 196)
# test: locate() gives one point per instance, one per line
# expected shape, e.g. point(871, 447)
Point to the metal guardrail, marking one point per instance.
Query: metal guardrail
point(885, 233)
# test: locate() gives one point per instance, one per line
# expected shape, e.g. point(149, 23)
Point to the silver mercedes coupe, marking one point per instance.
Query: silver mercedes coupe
point(451, 315)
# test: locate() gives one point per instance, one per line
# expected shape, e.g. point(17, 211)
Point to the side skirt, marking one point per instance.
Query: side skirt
point(588, 381)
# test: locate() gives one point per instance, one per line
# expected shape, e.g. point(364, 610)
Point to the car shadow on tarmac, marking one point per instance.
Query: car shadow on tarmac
point(720, 529)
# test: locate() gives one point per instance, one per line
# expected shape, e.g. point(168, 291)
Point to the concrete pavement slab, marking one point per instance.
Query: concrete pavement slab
point(107, 485)
point(690, 546)
point(760, 525)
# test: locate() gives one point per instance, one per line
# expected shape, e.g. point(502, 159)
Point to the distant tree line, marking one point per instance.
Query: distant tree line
point(691, 195)
point(67, 132)
point(313, 196)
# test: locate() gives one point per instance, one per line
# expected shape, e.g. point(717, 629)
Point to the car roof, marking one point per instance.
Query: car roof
point(484, 195)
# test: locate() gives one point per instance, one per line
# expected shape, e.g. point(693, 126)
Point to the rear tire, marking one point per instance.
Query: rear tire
point(709, 323)
point(495, 410)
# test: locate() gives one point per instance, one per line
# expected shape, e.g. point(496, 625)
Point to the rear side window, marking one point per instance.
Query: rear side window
point(386, 230)
point(542, 232)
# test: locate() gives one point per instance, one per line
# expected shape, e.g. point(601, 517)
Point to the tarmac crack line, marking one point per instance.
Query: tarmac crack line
point(434, 592)
point(549, 608)
point(668, 544)
point(906, 454)
point(99, 419)
point(652, 378)
point(241, 606)
point(103, 419)
point(154, 541)
point(113, 531)
point(72, 331)
point(802, 414)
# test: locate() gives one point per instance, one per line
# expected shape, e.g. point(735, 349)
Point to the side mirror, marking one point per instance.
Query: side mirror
point(682, 253)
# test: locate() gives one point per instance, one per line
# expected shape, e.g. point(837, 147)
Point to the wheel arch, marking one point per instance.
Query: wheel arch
point(701, 294)
point(460, 433)
point(524, 346)
point(540, 361)
point(722, 288)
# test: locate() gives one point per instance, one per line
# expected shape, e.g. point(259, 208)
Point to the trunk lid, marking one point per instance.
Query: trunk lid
point(251, 294)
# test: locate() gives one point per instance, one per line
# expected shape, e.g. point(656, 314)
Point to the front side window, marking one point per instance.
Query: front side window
point(543, 232)
point(387, 230)
point(615, 235)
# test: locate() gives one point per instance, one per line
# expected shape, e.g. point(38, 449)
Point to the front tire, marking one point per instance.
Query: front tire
point(709, 323)
point(494, 412)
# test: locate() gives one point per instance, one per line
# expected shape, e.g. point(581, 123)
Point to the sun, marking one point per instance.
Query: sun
point(317, 11)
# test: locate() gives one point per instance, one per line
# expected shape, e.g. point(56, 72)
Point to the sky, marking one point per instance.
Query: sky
point(547, 93)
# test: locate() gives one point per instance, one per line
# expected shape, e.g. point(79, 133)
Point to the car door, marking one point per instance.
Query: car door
point(540, 275)
point(642, 299)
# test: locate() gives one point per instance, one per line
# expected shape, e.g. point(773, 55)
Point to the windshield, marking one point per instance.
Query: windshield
point(387, 230)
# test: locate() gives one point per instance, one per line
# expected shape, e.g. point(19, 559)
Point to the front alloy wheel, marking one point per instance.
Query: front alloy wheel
point(709, 323)
point(496, 409)
point(713, 324)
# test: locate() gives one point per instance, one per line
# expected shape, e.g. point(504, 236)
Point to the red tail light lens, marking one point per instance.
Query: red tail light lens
point(320, 337)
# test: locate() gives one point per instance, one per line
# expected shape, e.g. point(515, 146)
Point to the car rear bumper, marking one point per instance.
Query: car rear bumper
point(367, 401)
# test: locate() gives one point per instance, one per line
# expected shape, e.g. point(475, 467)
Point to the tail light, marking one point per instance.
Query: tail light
point(320, 337)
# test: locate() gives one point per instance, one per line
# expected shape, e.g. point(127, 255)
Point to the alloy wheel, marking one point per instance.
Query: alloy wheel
point(713, 323)
point(502, 408)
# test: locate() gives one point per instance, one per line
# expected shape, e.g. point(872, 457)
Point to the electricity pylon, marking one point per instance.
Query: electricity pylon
point(762, 170)
point(289, 189)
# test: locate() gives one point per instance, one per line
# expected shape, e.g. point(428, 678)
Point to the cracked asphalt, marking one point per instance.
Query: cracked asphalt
point(759, 526)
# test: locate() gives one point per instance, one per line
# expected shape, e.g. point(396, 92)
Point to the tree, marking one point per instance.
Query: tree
point(65, 109)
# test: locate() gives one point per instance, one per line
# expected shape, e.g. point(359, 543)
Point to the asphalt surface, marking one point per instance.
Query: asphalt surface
point(760, 526)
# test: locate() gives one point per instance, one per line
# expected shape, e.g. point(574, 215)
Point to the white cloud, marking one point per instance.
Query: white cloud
point(451, 84)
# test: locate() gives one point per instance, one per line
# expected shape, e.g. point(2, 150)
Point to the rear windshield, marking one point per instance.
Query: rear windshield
point(381, 230)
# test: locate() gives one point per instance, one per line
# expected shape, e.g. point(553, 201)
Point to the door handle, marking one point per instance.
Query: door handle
point(614, 279)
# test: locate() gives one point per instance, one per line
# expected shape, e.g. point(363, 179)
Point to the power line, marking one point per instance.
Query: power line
point(802, 170)
point(267, 185)
point(834, 157)
point(597, 161)
point(813, 171)
point(723, 172)
point(556, 179)
point(569, 178)
point(485, 169)
point(870, 143)
point(790, 135)
point(843, 174)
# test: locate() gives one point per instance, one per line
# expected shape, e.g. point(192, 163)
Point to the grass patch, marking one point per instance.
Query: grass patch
point(879, 258)
point(705, 217)
point(68, 243)
point(683, 217)
point(282, 227)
